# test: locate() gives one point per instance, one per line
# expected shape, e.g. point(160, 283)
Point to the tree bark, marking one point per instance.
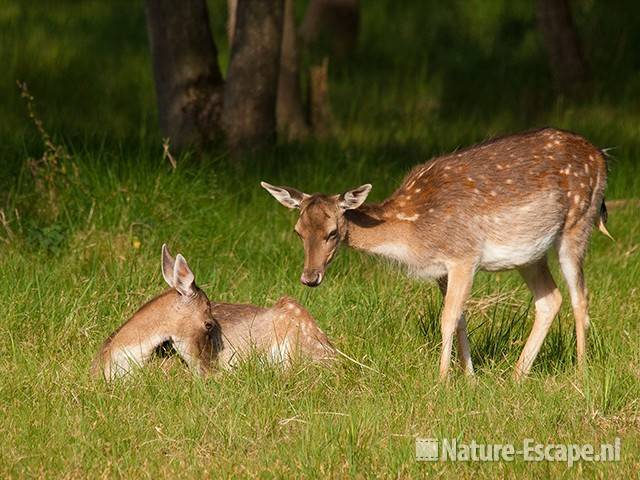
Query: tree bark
point(566, 60)
point(232, 6)
point(319, 106)
point(289, 112)
point(189, 85)
point(340, 19)
point(249, 113)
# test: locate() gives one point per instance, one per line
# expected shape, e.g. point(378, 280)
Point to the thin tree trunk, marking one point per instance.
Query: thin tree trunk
point(232, 6)
point(340, 19)
point(289, 113)
point(563, 45)
point(249, 113)
point(189, 85)
point(319, 106)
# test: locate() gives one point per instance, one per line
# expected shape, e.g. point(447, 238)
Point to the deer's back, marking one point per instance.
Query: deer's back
point(286, 329)
point(510, 197)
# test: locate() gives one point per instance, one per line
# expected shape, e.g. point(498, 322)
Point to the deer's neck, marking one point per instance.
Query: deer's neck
point(367, 228)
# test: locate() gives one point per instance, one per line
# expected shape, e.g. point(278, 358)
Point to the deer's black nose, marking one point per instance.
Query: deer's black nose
point(311, 279)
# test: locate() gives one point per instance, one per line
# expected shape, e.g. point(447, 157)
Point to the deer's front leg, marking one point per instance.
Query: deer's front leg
point(459, 282)
point(464, 349)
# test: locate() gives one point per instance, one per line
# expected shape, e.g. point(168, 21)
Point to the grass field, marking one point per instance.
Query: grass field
point(81, 251)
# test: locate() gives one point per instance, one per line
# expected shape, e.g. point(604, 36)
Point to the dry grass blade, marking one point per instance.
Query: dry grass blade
point(166, 153)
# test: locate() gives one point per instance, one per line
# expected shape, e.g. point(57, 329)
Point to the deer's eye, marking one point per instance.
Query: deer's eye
point(332, 235)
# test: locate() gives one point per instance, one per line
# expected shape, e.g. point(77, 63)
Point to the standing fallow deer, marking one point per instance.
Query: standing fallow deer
point(206, 334)
point(499, 205)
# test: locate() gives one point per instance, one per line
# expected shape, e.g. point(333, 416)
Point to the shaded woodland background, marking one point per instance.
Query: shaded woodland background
point(89, 66)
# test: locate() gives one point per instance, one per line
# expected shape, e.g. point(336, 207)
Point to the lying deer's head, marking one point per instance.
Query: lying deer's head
point(321, 224)
point(191, 302)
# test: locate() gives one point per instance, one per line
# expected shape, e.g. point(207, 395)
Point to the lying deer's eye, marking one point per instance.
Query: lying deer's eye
point(332, 235)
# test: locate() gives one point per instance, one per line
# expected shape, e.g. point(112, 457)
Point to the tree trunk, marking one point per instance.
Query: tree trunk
point(340, 19)
point(189, 85)
point(249, 113)
point(289, 112)
point(319, 106)
point(563, 45)
point(232, 6)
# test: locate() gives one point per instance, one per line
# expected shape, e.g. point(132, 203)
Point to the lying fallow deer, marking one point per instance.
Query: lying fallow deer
point(495, 206)
point(204, 333)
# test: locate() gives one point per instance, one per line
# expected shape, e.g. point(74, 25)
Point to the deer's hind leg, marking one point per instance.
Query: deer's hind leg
point(571, 252)
point(547, 301)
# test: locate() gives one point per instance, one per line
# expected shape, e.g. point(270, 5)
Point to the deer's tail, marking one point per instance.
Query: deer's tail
point(602, 220)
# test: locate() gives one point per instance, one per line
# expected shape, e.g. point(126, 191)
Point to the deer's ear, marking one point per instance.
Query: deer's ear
point(183, 278)
point(167, 265)
point(287, 196)
point(352, 199)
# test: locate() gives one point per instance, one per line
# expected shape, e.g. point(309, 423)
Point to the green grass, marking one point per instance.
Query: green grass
point(75, 267)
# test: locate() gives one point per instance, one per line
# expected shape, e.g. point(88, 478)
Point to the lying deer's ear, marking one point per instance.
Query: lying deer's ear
point(287, 196)
point(183, 278)
point(167, 265)
point(352, 199)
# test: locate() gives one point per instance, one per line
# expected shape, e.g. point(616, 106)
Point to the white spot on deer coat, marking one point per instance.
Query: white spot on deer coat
point(412, 218)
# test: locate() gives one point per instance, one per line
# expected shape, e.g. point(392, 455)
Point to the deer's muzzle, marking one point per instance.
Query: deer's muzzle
point(312, 278)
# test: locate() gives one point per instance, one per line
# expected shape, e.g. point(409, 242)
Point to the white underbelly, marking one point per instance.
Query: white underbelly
point(509, 254)
point(401, 253)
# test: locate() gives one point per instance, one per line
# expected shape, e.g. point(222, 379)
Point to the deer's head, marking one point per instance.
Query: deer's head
point(321, 224)
point(191, 303)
